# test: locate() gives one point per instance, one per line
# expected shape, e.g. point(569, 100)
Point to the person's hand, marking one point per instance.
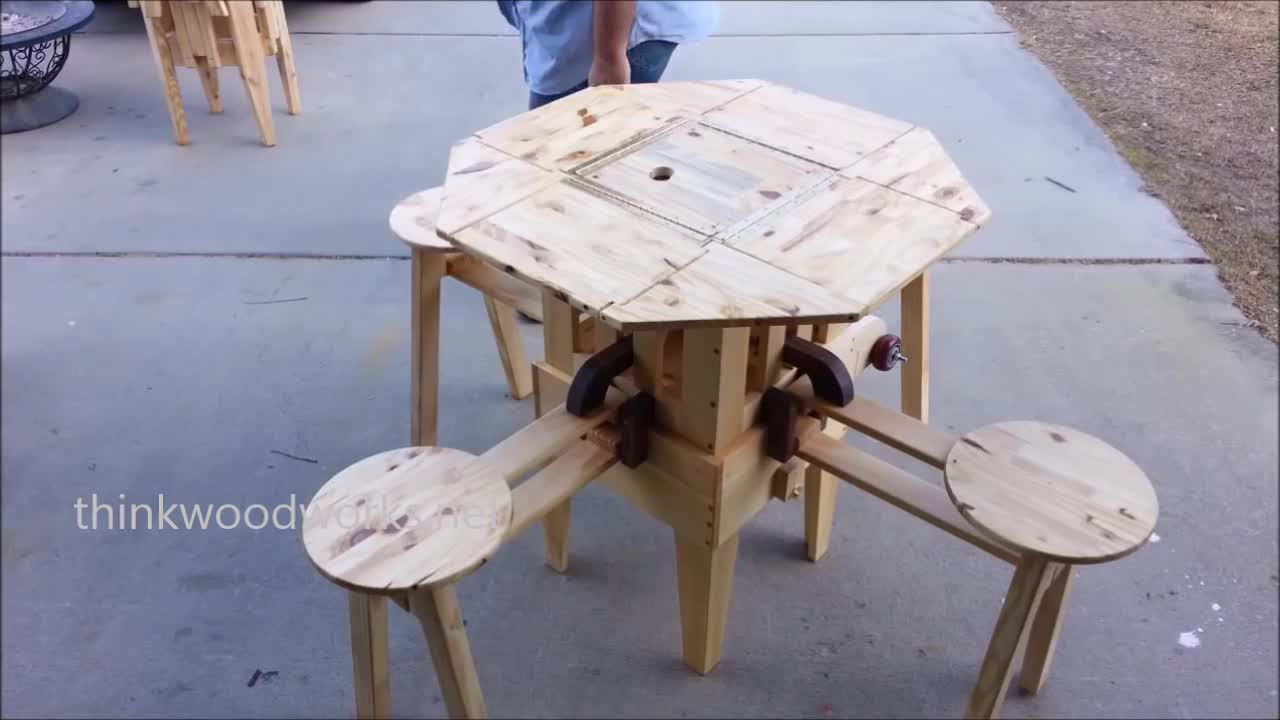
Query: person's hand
point(610, 69)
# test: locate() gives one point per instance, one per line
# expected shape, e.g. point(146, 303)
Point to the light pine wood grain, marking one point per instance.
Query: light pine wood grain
point(482, 181)
point(821, 130)
point(692, 98)
point(1051, 490)
point(714, 179)
point(413, 221)
point(643, 173)
point(437, 610)
point(406, 518)
point(916, 164)
point(574, 130)
point(596, 253)
point(726, 287)
point(855, 238)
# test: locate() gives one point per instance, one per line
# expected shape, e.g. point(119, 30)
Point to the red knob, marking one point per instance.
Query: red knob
point(886, 352)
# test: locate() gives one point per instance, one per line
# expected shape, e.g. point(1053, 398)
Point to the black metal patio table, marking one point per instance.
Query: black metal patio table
point(35, 41)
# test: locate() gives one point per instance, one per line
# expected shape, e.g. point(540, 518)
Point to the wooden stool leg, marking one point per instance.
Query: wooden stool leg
point(915, 345)
point(1044, 631)
point(1025, 590)
point(555, 536)
point(437, 609)
point(820, 500)
point(252, 62)
point(284, 61)
point(819, 509)
point(209, 81)
point(558, 324)
point(704, 581)
point(510, 349)
point(169, 80)
point(427, 269)
point(369, 655)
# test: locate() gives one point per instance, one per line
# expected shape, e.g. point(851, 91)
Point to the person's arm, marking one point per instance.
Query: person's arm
point(610, 29)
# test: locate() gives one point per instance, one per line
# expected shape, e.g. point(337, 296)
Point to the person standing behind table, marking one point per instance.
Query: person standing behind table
point(569, 45)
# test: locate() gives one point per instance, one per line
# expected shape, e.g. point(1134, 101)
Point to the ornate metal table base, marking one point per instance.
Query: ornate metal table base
point(33, 50)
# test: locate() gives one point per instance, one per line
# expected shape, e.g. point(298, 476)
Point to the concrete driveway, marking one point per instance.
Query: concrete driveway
point(142, 355)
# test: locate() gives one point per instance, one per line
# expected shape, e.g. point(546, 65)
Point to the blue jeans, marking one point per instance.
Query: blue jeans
point(648, 61)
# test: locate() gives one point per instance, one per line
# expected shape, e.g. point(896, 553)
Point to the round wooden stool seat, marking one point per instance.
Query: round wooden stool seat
point(406, 518)
point(1051, 490)
point(413, 220)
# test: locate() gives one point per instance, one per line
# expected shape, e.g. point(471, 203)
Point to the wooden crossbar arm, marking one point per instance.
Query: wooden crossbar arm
point(558, 481)
point(898, 488)
point(494, 283)
point(901, 432)
point(538, 443)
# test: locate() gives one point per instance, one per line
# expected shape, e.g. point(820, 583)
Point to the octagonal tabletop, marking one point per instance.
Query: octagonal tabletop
point(705, 204)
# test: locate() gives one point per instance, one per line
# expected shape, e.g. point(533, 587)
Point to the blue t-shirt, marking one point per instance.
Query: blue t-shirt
point(556, 34)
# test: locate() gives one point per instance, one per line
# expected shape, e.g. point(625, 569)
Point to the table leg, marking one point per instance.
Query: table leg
point(168, 79)
point(424, 312)
point(819, 510)
point(704, 581)
point(252, 64)
point(915, 345)
point(209, 81)
point(502, 319)
point(558, 324)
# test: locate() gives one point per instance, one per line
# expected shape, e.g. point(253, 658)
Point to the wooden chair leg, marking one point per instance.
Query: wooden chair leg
point(704, 581)
point(558, 324)
point(1025, 589)
point(555, 536)
point(427, 269)
point(1044, 631)
point(510, 349)
point(209, 81)
point(369, 655)
point(437, 609)
point(915, 346)
point(168, 80)
point(252, 62)
point(820, 500)
point(819, 510)
point(284, 61)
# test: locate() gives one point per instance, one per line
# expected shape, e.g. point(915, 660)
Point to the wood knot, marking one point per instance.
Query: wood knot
point(360, 536)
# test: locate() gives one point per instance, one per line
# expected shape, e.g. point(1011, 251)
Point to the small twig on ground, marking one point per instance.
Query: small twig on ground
point(273, 302)
point(1062, 185)
point(266, 677)
point(296, 457)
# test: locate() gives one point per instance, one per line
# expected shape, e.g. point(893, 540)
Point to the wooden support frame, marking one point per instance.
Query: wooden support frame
point(915, 345)
point(559, 323)
point(207, 35)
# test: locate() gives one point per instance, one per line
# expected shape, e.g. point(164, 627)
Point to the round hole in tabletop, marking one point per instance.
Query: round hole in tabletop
point(662, 172)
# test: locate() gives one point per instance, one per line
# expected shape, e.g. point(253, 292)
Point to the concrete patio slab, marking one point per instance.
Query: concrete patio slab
point(149, 376)
point(373, 131)
point(737, 17)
